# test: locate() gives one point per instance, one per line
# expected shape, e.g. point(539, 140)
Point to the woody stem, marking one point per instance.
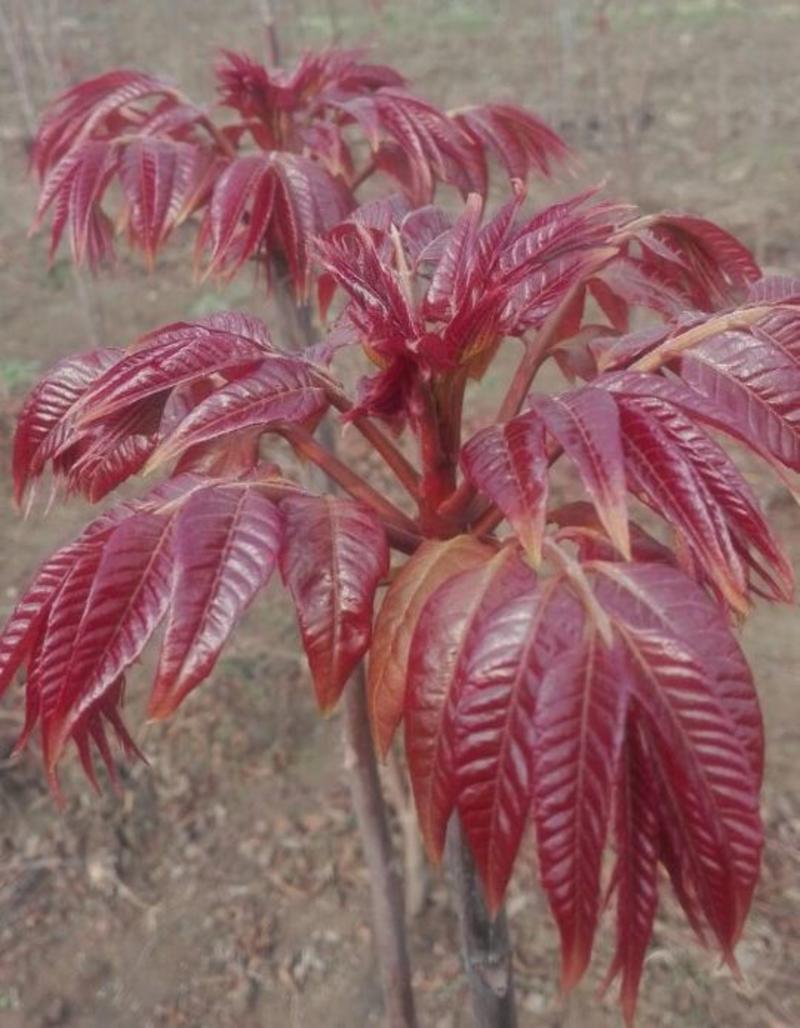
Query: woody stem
point(485, 944)
point(388, 906)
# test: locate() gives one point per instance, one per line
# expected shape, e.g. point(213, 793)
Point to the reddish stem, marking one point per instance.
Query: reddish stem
point(438, 466)
point(405, 472)
point(363, 175)
point(306, 445)
point(219, 137)
point(536, 353)
point(456, 505)
point(488, 521)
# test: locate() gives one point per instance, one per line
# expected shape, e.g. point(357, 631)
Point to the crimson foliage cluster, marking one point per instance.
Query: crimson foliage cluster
point(553, 662)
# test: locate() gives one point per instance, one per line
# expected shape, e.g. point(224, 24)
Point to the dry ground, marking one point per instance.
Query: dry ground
point(225, 887)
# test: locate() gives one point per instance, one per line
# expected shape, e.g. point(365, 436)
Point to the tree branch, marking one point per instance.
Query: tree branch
point(388, 913)
point(307, 446)
point(485, 944)
point(404, 471)
point(219, 137)
point(536, 353)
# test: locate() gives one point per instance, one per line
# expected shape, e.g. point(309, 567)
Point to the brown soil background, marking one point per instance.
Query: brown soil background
point(224, 889)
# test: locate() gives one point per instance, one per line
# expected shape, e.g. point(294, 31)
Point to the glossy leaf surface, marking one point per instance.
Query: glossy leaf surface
point(557, 666)
point(432, 564)
point(278, 393)
point(577, 736)
point(509, 464)
point(435, 679)
point(585, 423)
point(226, 544)
point(333, 556)
point(505, 660)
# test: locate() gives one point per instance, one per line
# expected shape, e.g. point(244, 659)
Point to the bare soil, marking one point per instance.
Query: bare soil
point(224, 888)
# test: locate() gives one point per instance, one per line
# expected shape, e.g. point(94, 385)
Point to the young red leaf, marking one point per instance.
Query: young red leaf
point(626, 282)
point(432, 564)
point(441, 639)
point(692, 403)
point(26, 622)
point(163, 181)
point(281, 391)
point(308, 203)
point(170, 357)
point(664, 600)
point(239, 211)
point(781, 326)
point(493, 238)
point(267, 94)
point(754, 384)
point(722, 494)
point(635, 875)
point(515, 137)
point(710, 779)
point(466, 260)
point(775, 289)
point(53, 649)
point(423, 231)
point(578, 730)
point(702, 716)
point(98, 129)
point(663, 471)
point(40, 425)
point(710, 264)
point(235, 323)
point(109, 458)
point(225, 548)
point(449, 280)
point(560, 229)
point(75, 189)
point(557, 249)
point(512, 643)
point(94, 460)
point(333, 555)
point(675, 858)
point(509, 464)
point(84, 108)
point(431, 145)
point(86, 648)
point(585, 422)
point(381, 308)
